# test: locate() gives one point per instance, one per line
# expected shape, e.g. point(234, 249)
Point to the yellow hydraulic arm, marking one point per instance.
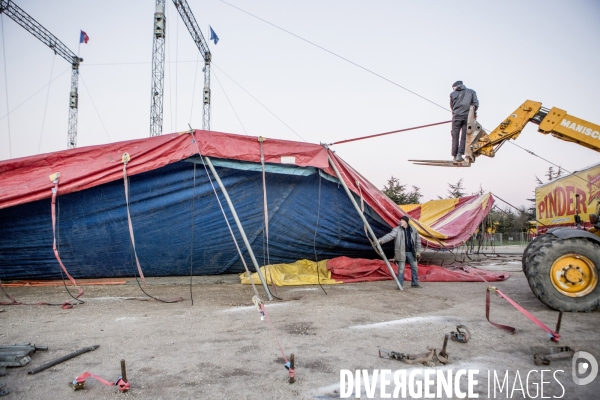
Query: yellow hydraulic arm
point(550, 121)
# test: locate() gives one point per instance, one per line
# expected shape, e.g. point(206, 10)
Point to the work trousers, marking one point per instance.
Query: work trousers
point(414, 269)
point(459, 135)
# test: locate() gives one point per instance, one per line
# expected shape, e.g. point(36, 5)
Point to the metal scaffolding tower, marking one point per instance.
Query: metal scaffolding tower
point(36, 29)
point(190, 22)
point(158, 63)
point(158, 69)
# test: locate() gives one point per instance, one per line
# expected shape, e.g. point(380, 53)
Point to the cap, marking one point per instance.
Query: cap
point(404, 217)
point(457, 83)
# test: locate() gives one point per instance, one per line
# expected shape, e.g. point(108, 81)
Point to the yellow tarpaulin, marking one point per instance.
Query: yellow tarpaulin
point(302, 272)
point(431, 212)
point(438, 216)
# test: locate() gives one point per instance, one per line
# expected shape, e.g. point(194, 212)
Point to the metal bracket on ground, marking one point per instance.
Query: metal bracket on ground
point(462, 334)
point(442, 356)
point(555, 353)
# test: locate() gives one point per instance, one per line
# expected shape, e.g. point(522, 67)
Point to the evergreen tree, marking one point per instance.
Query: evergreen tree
point(456, 190)
point(398, 194)
point(394, 190)
point(559, 173)
point(414, 197)
point(550, 174)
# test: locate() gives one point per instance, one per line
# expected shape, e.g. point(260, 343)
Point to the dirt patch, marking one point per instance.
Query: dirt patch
point(220, 348)
point(304, 328)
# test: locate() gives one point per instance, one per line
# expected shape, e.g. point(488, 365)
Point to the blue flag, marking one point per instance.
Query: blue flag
point(213, 35)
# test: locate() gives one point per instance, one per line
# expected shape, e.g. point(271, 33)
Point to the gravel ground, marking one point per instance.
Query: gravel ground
point(219, 348)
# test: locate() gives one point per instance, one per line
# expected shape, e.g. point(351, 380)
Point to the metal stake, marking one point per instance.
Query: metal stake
point(373, 236)
point(239, 225)
point(292, 367)
point(123, 371)
point(560, 314)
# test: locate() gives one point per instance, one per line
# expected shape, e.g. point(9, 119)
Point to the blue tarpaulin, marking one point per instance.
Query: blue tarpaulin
point(178, 225)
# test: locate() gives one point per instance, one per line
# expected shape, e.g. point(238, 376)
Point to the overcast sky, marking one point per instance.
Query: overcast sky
point(508, 51)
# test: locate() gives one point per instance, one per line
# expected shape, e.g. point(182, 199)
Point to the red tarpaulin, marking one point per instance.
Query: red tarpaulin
point(350, 270)
point(26, 179)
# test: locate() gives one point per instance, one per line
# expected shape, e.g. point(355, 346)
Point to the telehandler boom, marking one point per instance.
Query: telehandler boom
point(561, 266)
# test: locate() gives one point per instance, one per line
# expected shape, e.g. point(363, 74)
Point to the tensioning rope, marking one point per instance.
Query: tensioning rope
point(46, 106)
point(359, 66)
point(33, 95)
point(556, 165)
point(315, 235)
point(95, 108)
point(70, 303)
point(229, 101)
point(505, 202)
point(67, 304)
point(193, 133)
point(256, 299)
point(261, 141)
point(126, 183)
point(337, 55)
point(125, 160)
point(6, 84)
point(192, 241)
point(62, 275)
point(194, 88)
point(258, 101)
point(389, 133)
point(554, 336)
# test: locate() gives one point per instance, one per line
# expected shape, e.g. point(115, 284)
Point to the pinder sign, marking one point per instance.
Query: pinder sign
point(558, 202)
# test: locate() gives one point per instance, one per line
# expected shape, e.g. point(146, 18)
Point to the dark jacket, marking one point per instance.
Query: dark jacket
point(399, 245)
point(461, 99)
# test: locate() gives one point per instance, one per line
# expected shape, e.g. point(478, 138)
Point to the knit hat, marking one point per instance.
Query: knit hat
point(457, 83)
point(404, 217)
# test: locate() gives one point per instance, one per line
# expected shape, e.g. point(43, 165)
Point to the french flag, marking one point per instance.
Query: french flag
point(83, 37)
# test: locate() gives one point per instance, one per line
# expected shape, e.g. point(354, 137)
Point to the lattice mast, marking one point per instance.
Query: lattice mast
point(158, 69)
point(190, 22)
point(17, 14)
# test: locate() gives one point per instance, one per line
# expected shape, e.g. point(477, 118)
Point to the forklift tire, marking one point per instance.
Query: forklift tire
point(534, 246)
point(563, 274)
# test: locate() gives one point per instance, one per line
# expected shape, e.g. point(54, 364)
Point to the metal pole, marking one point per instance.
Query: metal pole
point(239, 225)
point(373, 236)
point(158, 70)
point(62, 359)
point(206, 94)
point(73, 105)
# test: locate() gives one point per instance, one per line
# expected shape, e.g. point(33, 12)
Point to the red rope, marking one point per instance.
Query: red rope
point(262, 308)
point(389, 133)
point(137, 261)
point(122, 385)
point(554, 335)
point(67, 304)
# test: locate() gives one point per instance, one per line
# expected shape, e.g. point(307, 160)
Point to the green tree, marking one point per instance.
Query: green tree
point(480, 191)
point(559, 173)
point(549, 174)
point(414, 197)
point(510, 221)
point(456, 190)
point(398, 193)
